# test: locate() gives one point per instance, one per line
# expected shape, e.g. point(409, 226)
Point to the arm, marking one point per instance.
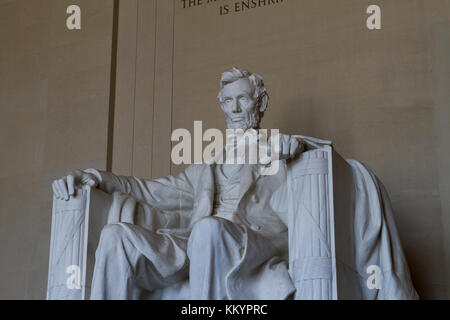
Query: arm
point(291, 147)
point(160, 193)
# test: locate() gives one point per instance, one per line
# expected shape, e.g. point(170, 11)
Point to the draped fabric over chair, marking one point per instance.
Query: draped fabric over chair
point(340, 223)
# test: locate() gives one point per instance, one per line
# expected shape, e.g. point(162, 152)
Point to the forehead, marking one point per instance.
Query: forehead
point(241, 86)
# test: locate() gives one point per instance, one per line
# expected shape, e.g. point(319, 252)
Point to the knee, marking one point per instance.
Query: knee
point(204, 236)
point(205, 233)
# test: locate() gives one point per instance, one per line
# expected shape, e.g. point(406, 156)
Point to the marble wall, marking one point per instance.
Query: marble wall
point(381, 96)
point(54, 105)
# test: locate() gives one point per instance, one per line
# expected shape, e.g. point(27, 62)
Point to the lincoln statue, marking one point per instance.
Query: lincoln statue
point(216, 231)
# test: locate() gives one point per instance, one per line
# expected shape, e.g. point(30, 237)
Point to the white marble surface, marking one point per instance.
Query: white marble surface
point(330, 245)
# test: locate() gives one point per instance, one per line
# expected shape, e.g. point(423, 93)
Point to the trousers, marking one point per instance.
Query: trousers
point(132, 260)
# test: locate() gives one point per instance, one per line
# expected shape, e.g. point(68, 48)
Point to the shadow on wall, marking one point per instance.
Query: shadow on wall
point(425, 258)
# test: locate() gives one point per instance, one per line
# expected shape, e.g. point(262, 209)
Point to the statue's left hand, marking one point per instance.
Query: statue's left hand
point(290, 146)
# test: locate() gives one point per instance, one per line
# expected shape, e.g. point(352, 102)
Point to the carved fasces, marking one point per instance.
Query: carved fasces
point(76, 227)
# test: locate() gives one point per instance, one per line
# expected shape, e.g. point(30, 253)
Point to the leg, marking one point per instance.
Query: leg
point(215, 246)
point(130, 258)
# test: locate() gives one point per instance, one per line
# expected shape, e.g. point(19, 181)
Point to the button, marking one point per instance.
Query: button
point(255, 227)
point(254, 198)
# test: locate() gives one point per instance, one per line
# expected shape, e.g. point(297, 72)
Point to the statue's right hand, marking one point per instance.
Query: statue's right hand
point(65, 187)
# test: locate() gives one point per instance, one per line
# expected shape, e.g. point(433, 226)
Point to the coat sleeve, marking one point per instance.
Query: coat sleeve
point(172, 193)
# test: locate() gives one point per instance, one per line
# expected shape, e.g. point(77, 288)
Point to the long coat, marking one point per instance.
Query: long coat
point(174, 204)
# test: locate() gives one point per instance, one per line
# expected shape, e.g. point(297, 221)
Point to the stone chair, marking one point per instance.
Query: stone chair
point(321, 223)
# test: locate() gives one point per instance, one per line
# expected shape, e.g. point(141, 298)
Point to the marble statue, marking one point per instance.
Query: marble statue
point(222, 231)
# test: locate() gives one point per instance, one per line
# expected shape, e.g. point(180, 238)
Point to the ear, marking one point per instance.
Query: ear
point(264, 102)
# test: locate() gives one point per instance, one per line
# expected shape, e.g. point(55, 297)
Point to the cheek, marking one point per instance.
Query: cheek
point(250, 107)
point(228, 114)
point(226, 109)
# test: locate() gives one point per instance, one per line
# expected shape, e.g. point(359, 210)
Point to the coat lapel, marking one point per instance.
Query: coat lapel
point(204, 193)
point(249, 175)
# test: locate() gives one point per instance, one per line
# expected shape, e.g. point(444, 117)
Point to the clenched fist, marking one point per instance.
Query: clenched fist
point(289, 147)
point(65, 187)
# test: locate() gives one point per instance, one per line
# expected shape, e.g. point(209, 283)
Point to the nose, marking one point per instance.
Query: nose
point(236, 107)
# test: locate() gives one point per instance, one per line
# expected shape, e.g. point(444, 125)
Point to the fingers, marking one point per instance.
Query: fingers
point(290, 147)
point(70, 184)
point(85, 178)
point(63, 189)
point(293, 148)
point(56, 189)
point(91, 183)
point(89, 180)
point(60, 189)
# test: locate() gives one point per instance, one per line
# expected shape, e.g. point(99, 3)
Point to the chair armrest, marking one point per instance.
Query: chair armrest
point(75, 233)
point(320, 206)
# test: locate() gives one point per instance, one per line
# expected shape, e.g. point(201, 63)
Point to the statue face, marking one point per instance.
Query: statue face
point(239, 105)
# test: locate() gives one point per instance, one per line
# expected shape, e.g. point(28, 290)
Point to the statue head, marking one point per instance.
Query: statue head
point(243, 99)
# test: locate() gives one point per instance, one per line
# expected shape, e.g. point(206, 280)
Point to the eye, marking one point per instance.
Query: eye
point(243, 99)
point(227, 101)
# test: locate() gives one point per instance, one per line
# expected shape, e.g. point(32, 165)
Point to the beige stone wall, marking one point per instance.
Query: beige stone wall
point(54, 101)
point(381, 96)
point(371, 92)
point(440, 48)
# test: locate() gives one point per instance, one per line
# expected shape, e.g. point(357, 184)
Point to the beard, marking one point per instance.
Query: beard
point(252, 122)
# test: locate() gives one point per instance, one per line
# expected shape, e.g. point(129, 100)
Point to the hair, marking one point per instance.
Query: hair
point(260, 93)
